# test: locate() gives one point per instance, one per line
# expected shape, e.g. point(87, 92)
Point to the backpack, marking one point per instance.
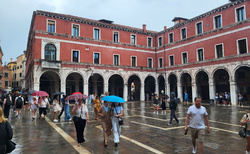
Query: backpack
point(8, 103)
point(19, 101)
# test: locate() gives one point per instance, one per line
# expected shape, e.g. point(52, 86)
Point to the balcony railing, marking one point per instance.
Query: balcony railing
point(53, 64)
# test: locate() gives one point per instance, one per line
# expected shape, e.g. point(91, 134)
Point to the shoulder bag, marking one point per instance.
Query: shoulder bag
point(242, 132)
point(10, 145)
point(120, 120)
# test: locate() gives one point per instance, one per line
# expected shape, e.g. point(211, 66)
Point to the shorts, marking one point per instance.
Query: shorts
point(42, 111)
point(186, 100)
point(248, 133)
point(19, 106)
point(156, 105)
point(198, 134)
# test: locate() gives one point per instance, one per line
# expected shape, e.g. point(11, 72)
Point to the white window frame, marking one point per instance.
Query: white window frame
point(182, 57)
point(94, 33)
point(99, 57)
point(118, 59)
point(135, 39)
point(215, 22)
point(215, 49)
point(235, 10)
point(151, 45)
point(196, 30)
point(72, 55)
point(181, 32)
point(237, 42)
point(152, 62)
point(78, 29)
point(159, 62)
point(170, 61)
point(47, 22)
point(169, 37)
point(159, 41)
point(118, 36)
point(202, 54)
point(135, 62)
point(56, 44)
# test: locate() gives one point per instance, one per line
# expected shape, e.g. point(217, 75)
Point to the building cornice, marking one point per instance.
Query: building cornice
point(94, 23)
point(214, 11)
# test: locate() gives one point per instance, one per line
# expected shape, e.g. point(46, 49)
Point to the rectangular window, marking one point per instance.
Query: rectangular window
point(240, 14)
point(160, 41)
point(116, 37)
point(199, 28)
point(116, 60)
point(183, 33)
point(51, 26)
point(133, 61)
point(6, 83)
point(21, 66)
point(171, 60)
point(20, 74)
point(75, 56)
point(96, 34)
point(133, 37)
point(17, 67)
point(6, 75)
point(219, 51)
point(242, 46)
point(200, 54)
point(75, 30)
point(217, 21)
point(150, 63)
point(96, 58)
point(171, 37)
point(184, 58)
point(149, 42)
point(160, 63)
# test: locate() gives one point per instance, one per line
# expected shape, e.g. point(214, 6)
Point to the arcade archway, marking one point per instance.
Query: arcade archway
point(202, 85)
point(186, 82)
point(74, 83)
point(116, 85)
point(149, 86)
point(50, 82)
point(242, 78)
point(134, 88)
point(172, 80)
point(221, 80)
point(96, 84)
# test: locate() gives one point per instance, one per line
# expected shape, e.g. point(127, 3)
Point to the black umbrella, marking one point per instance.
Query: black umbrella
point(57, 93)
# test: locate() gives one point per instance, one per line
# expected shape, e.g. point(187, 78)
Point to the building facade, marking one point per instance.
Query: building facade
point(204, 55)
point(6, 78)
point(17, 73)
point(12, 66)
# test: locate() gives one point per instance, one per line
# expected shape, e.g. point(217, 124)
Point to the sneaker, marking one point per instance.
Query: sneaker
point(154, 111)
point(194, 150)
point(178, 122)
point(169, 124)
point(70, 119)
point(238, 105)
point(241, 105)
point(247, 152)
point(55, 120)
point(157, 112)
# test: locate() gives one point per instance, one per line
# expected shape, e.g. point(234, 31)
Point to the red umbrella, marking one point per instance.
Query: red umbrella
point(40, 93)
point(77, 93)
point(76, 96)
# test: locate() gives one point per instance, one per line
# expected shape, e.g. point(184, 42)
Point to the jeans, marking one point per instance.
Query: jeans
point(66, 111)
point(116, 129)
point(173, 116)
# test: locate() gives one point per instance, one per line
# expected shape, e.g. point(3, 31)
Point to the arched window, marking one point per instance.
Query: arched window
point(50, 52)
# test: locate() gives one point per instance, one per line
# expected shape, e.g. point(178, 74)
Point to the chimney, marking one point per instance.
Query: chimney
point(144, 27)
point(165, 27)
point(10, 59)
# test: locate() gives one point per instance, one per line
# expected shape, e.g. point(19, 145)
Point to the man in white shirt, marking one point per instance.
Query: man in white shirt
point(19, 103)
point(197, 118)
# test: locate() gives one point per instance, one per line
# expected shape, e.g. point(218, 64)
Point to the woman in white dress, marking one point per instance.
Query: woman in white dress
point(56, 107)
point(34, 107)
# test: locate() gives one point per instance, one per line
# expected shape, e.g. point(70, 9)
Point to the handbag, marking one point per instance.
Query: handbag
point(10, 146)
point(75, 119)
point(242, 132)
point(120, 120)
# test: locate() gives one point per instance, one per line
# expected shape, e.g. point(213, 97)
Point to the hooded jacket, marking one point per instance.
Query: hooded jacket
point(172, 103)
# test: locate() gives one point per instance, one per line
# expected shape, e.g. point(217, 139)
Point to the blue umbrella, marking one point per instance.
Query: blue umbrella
point(113, 98)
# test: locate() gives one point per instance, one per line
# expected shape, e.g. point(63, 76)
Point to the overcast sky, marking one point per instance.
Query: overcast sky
point(15, 15)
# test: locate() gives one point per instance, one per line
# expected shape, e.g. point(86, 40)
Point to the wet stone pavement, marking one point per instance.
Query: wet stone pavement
point(142, 132)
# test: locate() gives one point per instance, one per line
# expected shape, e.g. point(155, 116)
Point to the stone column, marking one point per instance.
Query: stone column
point(125, 92)
point(168, 89)
point(86, 88)
point(157, 88)
point(36, 86)
point(211, 89)
point(179, 91)
point(142, 96)
point(63, 87)
point(106, 88)
point(233, 93)
point(194, 90)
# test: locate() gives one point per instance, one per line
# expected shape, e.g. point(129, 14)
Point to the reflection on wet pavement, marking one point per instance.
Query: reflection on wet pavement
point(142, 132)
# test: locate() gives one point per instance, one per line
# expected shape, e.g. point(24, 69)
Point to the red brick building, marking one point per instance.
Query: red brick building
point(204, 55)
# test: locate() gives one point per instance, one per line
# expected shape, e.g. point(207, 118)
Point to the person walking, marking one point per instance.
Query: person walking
point(6, 132)
point(6, 106)
point(105, 114)
point(186, 98)
point(172, 106)
point(117, 111)
point(62, 110)
point(245, 120)
point(81, 114)
point(96, 105)
point(163, 104)
point(66, 109)
point(156, 103)
point(19, 103)
point(56, 107)
point(197, 118)
point(240, 98)
point(34, 107)
point(43, 102)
